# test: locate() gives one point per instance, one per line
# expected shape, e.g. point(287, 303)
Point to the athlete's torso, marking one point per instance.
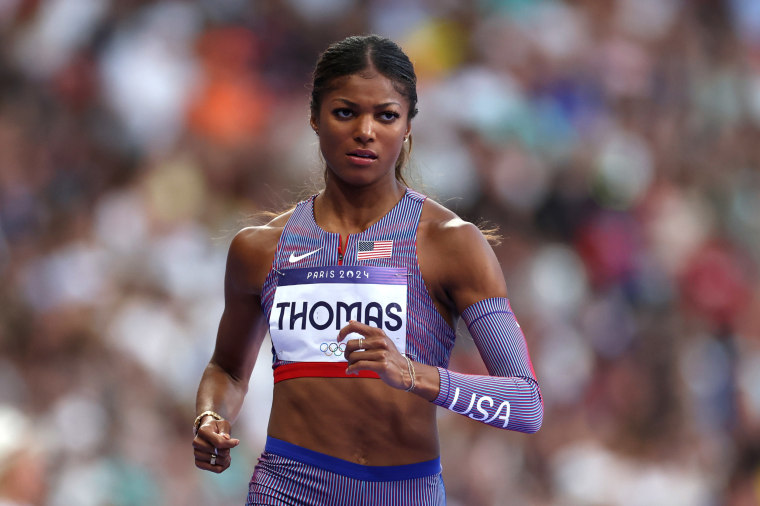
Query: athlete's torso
point(390, 243)
point(357, 419)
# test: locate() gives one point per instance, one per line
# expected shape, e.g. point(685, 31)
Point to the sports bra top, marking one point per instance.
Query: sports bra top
point(316, 284)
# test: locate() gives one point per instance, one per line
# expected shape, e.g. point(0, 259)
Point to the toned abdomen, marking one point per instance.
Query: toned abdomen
point(355, 419)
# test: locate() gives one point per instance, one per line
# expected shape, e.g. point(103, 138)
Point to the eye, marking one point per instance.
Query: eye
point(343, 113)
point(389, 116)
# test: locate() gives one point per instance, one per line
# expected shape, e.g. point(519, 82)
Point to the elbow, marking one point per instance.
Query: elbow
point(538, 403)
point(236, 378)
point(535, 414)
point(534, 424)
point(530, 421)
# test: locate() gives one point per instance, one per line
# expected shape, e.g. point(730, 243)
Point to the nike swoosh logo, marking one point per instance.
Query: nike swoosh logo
point(297, 258)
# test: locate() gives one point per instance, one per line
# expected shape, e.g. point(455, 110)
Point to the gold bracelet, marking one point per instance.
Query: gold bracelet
point(410, 366)
point(199, 419)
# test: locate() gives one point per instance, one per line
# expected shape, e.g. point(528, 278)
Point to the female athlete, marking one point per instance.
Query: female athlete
point(360, 287)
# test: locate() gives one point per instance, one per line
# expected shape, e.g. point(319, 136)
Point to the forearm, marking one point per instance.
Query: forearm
point(220, 392)
point(512, 403)
point(509, 398)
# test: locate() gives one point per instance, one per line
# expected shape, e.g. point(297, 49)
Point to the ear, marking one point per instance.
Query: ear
point(314, 124)
point(408, 130)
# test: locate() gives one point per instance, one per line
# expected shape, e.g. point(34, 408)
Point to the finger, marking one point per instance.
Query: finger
point(357, 327)
point(366, 355)
point(205, 451)
point(353, 345)
point(349, 352)
point(221, 442)
point(206, 466)
point(219, 452)
point(380, 344)
point(199, 443)
point(207, 455)
point(213, 435)
point(211, 459)
point(366, 365)
point(380, 359)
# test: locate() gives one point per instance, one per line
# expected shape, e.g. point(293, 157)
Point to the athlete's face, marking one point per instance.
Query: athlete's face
point(361, 125)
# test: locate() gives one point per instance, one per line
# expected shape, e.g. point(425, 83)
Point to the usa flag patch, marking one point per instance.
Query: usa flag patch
point(374, 249)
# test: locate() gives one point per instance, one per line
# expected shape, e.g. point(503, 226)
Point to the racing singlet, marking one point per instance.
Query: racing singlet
point(316, 285)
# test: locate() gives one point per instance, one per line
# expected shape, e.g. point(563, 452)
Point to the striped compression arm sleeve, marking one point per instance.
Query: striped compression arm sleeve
point(510, 397)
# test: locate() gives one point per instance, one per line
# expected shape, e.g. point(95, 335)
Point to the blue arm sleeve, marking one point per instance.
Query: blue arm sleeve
point(510, 397)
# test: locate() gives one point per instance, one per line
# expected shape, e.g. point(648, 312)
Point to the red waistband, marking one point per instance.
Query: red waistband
point(317, 370)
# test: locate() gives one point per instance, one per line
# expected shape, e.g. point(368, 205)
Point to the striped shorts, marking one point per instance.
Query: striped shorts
point(289, 474)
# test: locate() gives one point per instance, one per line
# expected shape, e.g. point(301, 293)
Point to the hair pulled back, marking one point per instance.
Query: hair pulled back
point(357, 53)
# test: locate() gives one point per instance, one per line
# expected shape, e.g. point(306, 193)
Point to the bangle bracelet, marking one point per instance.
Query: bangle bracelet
point(199, 419)
point(410, 366)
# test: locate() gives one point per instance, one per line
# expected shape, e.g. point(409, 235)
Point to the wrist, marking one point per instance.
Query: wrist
point(199, 419)
point(427, 381)
point(412, 374)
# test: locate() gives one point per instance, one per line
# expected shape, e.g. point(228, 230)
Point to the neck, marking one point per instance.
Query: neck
point(348, 209)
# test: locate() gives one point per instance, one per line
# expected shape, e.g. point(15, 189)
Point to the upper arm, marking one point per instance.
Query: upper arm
point(475, 273)
point(459, 266)
point(243, 324)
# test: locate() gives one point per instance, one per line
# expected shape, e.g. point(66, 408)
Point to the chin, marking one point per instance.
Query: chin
point(361, 177)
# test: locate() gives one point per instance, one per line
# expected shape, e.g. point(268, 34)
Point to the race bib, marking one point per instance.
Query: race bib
point(311, 305)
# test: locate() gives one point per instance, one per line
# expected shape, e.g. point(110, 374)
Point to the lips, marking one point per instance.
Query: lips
point(366, 154)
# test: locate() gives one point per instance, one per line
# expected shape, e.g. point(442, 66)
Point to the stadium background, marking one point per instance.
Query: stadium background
point(614, 142)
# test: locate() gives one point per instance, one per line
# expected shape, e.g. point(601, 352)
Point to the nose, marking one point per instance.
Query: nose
point(365, 128)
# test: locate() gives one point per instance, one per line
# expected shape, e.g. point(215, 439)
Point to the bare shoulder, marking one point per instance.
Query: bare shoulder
point(251, 254)
point(456, 259)
point(445, 231)
point(259, 239)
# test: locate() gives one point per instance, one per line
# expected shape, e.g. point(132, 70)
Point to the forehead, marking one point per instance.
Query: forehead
point(365, 89)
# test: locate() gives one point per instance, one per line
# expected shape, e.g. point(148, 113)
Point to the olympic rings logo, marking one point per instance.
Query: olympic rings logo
point(331, 349)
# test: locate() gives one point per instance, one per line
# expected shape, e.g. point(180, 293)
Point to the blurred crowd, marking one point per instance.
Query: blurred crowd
point(614, 143)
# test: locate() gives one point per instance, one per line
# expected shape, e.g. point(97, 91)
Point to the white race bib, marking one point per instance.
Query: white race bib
point(311, 305)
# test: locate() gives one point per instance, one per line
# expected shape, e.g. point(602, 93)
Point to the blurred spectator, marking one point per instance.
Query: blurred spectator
point(614, 144)
point(22, 460)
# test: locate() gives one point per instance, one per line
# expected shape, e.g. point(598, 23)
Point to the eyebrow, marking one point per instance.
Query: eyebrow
point(376, 106)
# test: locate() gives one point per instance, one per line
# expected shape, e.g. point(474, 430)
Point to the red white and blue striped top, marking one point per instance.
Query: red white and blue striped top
point(390, 242)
